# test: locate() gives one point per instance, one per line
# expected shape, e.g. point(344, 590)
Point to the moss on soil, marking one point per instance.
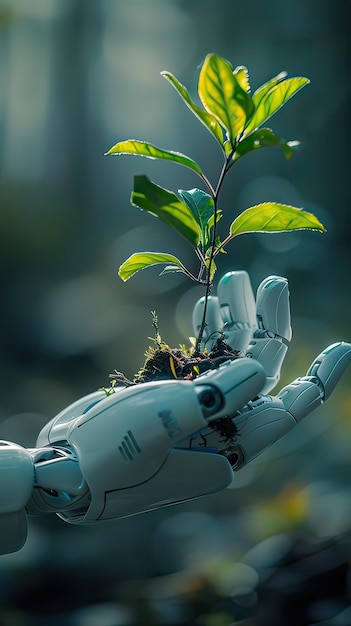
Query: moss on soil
point(165, 363)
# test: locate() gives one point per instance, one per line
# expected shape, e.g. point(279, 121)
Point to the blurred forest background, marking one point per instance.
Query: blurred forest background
point(76, 77)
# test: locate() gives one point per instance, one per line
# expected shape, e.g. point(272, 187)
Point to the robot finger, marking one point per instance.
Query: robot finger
point(270, 340)
point(266, 419)
point(330, 365)
point(238, 309)
point(213, 321)
point(308, 392)
point(273, 306)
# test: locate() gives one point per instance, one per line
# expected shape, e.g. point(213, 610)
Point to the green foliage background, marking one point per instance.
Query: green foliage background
point(76, 75)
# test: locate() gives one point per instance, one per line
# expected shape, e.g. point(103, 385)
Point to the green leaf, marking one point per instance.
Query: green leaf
point(263, 89)
point(241, 74)
point(228, 148)
point(205, 118)
point(140, 260)
point(213, 268)
point(274, 217)
point(218, 245)
point(269, 102)
point(209, 234)
point(202, 207)
point(222, 96)
point(219, 215)
point(289, 147)
point(142, 148)
point(171, 269)
point(264, 138)
point(166, 205)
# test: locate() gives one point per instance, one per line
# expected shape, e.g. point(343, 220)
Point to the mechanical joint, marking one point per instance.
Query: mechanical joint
point(210, 399)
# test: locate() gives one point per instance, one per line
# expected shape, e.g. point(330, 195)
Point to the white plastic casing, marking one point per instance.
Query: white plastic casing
point(117, 456)
point(16, 485)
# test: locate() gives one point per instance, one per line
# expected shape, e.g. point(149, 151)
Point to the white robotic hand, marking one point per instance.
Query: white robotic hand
point(106, 457)
point(260, 329)
point(160, 443)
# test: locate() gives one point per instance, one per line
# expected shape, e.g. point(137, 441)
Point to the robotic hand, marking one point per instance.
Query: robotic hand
point(260, 329)
point(151, 445)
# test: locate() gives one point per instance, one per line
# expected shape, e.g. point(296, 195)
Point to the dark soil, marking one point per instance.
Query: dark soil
point(165, 363)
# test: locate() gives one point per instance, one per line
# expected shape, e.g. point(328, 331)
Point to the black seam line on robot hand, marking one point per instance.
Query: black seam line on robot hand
point(188, 450)
point(262, 333)
point(293, 417)
point(136, 392)
point(236, 325)
point(240, 383)
point(132, 486)
point(317, 381)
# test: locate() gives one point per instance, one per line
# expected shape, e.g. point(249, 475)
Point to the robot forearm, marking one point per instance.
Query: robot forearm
point(16, 485)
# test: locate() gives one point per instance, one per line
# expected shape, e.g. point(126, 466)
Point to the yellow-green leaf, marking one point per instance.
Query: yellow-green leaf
point(140, 260)
point(264, 138)
point(272, 100)
point(167, 206)
point(213, 268)
point(263, 89)
point(222, 96)
point(142, 148)
point(274, 217)
point(205, 118)
point(241, 74)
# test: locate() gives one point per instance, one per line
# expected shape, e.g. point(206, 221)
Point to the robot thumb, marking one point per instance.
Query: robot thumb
point(330, 365)
point(235, 382)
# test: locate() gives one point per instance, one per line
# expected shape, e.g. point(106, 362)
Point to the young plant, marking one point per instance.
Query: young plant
point(235, 118)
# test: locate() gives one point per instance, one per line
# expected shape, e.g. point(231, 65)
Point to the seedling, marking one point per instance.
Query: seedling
point(235, 118)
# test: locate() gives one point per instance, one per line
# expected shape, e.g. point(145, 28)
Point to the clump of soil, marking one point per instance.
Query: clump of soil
point(165, 363)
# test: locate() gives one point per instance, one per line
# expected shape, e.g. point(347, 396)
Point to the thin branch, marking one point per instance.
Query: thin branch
point(199, 255)
point(215, 195)
point(202, 267)
point(190, 275)
point(208, 184)
point(223, 244)
point(221, 177)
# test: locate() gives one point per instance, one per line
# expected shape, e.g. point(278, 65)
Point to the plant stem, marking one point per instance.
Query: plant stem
point(208, 184)
point(202, 260)
point(224, 243)
point(215, 195)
